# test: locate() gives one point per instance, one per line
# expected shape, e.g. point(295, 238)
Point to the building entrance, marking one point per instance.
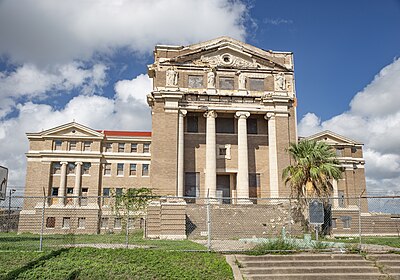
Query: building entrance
point(223, 188)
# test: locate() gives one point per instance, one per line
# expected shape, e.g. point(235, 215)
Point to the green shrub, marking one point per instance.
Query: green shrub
point(276, 246)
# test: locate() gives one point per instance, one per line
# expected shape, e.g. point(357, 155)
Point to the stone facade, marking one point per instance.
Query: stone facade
point(223, 115)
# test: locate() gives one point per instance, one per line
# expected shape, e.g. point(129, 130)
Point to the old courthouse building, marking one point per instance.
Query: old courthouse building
point(223, 112)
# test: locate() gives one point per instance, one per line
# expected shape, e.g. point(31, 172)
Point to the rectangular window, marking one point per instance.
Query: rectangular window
point(57, 145)
point(225, 125)
point(353, 150)
point(222, 151)
point(195, 81)
point(120, 169)
point(106, 191)
point(145, 170)
point(104, 222)
point(72, 145)
point(117, 223)
point(84, 199)
point(66, 222)
point(192, 124)
point(134, 148)
point(51, 222)
point(146, 148)
point(56, 168)
point(256, 84)
point(108, 147)
point(131, 223)
point(132, 169)
point(346, 221)
point(86, 168)
point(121, 147)
point(70, 190)
point(54, 191)
point(87, 145)
point(107, 168)
point(192, 185)
point(252, 126)
point(71, 168)
point(118, 191)
point(226, 83)
point(81, 222)
point(339, 152)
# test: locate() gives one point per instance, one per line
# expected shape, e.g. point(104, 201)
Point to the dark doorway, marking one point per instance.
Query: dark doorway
point(223, 188)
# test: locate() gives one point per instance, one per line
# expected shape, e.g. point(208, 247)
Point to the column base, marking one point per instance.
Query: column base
point(243, 201)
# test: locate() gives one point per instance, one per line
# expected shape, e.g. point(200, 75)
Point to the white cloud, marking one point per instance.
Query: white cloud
point(29, 81)
point(373, 119)
point(47, 31)
point(95, 111)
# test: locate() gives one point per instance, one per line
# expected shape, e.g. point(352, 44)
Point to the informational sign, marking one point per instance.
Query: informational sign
point(3, 182)
point(316, 210)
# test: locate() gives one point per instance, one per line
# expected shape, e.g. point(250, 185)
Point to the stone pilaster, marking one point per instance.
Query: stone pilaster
point(63, 181)
point(78, 178)
point(211, 157)
point(273, 158)
point(243, 159)
point(181, 153)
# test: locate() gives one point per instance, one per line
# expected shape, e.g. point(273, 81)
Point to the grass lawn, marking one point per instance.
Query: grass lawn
point(10, 260)
point(13, 241)
point(91, 263)
point(379, 240)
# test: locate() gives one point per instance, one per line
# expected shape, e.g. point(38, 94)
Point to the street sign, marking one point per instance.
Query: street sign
point(316, 212)
point(3, 182)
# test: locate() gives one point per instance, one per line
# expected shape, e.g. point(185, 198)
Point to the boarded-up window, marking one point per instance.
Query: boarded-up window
point(192, 185)
point(225, 125)
point(195, 81)
point(226, 83)
point(51, 222)
point(192, 124)
point(252, 126)
point(256, 84)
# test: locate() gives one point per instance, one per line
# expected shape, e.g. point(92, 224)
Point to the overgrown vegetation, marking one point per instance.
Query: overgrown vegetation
point(13, 241)
point(91, 263)
point(275, 246)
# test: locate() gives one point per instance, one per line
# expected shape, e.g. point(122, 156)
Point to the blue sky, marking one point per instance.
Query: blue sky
point(86, 60)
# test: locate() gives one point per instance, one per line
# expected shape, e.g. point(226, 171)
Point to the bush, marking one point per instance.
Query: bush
point(276, 246)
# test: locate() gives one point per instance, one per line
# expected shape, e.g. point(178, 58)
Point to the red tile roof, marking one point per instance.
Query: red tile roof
point(126, 133)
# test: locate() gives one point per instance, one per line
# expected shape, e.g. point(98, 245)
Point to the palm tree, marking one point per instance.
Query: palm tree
point(314, 165)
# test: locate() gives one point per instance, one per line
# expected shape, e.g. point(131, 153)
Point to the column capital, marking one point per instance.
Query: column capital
point(242, 115)
point(78, 163)
point(182, 113)
point(210, 114)
point(269, 115)
point(63, 162)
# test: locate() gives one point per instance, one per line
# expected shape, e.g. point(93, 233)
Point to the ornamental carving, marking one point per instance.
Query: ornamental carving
point(226, 60)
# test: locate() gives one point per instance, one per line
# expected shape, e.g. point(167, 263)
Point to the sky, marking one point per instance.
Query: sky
point(86, 60)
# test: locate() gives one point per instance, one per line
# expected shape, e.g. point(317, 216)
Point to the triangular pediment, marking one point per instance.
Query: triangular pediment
point(332, 138)
point(228, 52)
point(71, 130)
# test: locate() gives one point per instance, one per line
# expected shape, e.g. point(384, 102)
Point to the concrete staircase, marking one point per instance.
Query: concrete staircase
point(312, 266)
point(389, 264)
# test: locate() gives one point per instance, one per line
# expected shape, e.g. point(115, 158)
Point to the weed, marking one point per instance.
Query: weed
point(276, 246)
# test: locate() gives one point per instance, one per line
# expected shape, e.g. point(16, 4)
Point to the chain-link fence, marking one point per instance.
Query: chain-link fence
point(212, 224)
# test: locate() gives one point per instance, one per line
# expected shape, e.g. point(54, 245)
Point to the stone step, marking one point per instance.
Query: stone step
point(300, 257)
point(384, 256)
point(310, 276)
point(304, 263)
point(309, 270)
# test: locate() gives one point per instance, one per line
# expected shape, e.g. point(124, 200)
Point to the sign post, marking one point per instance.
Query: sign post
point(316, 215)
point(3, 182)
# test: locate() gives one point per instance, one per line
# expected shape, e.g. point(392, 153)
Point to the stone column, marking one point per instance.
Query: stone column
point(242, 188)
point(181, 153)
point(273, 156)
point(211, 156)
point(78, 178)
point(63, 181)
point(335, 194)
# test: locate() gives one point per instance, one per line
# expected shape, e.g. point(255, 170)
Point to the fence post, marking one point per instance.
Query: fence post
point(127, 229)
point(290, 218)
point(359, 221)
point(42, 225)
point(208, 224)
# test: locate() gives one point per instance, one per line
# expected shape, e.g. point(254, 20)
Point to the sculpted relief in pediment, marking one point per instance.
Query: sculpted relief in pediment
point(228, 60)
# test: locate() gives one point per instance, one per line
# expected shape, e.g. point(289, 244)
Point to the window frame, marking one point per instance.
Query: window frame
point(147, 170)
point(120, 171)
point(132, 171)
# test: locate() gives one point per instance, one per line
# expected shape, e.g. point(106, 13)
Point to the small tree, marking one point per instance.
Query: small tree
point(130, 203)
point(314, 165)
